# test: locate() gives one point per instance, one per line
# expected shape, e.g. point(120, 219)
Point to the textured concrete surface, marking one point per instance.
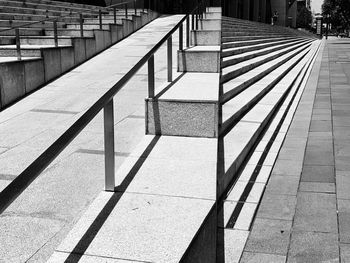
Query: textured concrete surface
point(76, 177)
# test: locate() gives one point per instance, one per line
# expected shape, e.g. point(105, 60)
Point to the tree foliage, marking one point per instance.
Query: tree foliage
point(338, 11)
point(304, 17)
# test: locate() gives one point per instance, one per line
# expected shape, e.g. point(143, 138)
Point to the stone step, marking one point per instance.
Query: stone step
point(240, 83)
point(246, 43)
point(23, 23)
point(236, 34)
point(26, 10)
point(90, 26)
point(229, 59)
point(46, 40)
point(239, 50)
point(155, 199)
point(6, 31)
point(71, 32)
point(35, 17)
point(233, 71)
point(199, 59)
point(26, 50)
point(239, 140)
point(248, 38)
point(64, 7)
point(187, 107)
point(237, 211)
point(58, 3)
point(234, 109)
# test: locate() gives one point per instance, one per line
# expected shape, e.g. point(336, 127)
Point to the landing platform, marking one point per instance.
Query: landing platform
point(32, 228)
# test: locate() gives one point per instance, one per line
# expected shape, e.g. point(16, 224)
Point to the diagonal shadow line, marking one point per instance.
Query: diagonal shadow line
point(92, 231)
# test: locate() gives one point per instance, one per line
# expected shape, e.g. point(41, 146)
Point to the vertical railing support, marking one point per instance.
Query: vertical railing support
point(170, 58)
point(55, 33)
point(81, 20)
point(188, 32)
point(126, 11)
point(108, 114)
point(100, 18)
point(151, 77)
point(18, 44)
point(115, 15)
point(192, 21)
point(135, 7)
point(181, 37)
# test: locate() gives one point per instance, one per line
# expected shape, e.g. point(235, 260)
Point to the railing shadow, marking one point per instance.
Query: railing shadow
point(97, 224)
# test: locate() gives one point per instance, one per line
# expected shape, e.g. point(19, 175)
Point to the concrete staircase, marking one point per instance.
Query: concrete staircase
point(207, 153)
point(43, 61)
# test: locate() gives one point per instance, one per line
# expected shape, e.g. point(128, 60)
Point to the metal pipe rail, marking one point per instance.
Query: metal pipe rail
point(54, 19)
point(22, 181)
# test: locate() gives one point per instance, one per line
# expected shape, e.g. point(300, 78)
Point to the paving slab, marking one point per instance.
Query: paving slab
point(306, 247)
point(316, 212)
point(344, 220)
point(318, 173)
point(250, 257)
point(269, 236)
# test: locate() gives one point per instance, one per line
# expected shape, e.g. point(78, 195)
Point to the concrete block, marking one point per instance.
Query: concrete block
point(107, 38)
point(34, 74)
point(199, 59)
point(100, 40)
point(116, 33)
point(128, 27)
point(79, 50)
point(137, 22)
point(67, 58)
point(12, 84)
point(181, 118)
point(210, 24)
point(90, 45)
point(206, 37)
point(144, 18)
point(52, 63)
point(212, 15)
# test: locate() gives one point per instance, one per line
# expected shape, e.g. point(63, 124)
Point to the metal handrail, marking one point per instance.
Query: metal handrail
point(81, 21)
point(22, 181)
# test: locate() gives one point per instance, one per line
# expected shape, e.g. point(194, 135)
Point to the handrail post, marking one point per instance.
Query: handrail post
point(170, 58)
point(181, 37)
point(192, 21)
point(18, 44)
point(188, 31)
point(149, 5)
point(55, 33)
point(81, 25)
point(115, 15)
point(126, 11)
point(151, 81)
point(100, 18)
point(135, 7)
point(108, 114)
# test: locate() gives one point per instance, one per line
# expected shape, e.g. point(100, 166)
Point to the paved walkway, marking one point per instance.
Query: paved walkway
point(33, 226)
point(305, 212)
